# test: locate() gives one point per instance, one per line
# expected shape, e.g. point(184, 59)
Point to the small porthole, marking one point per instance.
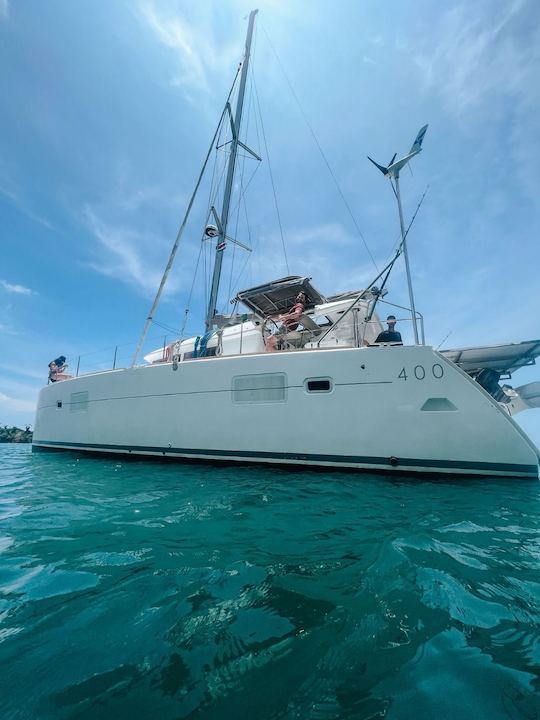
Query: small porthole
point(319, 385)
point(59, 404)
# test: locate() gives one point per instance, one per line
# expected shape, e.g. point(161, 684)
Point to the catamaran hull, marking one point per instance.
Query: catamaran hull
point(396, 409)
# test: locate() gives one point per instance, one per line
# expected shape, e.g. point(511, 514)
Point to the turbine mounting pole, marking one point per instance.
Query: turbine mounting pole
point(406, 256)
point(392, 171)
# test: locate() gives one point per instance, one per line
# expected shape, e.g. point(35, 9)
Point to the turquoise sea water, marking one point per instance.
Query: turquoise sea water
point(150, 590)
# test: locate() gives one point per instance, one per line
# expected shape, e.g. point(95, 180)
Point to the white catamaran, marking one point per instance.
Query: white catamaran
point(332, 396)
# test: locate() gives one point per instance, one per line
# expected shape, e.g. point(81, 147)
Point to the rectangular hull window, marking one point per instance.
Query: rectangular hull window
point(79, 402)
point(266, 387)
point(318, 385)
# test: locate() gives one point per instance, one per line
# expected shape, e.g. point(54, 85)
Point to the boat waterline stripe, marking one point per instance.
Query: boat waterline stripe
point(310, 457)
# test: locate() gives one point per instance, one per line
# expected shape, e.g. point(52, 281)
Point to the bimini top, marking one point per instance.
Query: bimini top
point(502, 358)
point(279, 296)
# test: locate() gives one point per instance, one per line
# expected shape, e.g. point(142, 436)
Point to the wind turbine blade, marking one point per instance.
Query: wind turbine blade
point(417, 144)
point(392, 160)
point(383, 169)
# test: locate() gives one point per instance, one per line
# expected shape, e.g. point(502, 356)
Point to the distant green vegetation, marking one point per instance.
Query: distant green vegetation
point(15, 434)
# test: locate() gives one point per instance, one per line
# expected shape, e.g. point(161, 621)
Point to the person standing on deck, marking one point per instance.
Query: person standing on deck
point(390, 335)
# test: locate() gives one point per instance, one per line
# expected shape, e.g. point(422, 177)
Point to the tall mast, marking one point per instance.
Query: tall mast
point(224, 218)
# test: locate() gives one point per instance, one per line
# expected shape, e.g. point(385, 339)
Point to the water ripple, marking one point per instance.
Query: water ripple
point(142, 589)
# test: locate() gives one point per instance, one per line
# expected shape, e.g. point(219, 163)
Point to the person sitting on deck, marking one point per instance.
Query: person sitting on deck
point(289, 322)
point(57, 368)
point(390, 335)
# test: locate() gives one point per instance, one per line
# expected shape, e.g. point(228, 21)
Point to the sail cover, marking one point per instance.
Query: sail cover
point(501, 358)
point(279, 296)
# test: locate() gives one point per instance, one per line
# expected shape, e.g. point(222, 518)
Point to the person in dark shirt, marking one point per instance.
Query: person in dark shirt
point(390, 335)
point(57, 369)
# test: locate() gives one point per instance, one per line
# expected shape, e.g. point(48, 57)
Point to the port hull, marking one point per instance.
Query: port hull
point(390, 409)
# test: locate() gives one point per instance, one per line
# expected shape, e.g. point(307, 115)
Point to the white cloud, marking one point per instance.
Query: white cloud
point(25, 372)
point(17, 401)
point(4, 9)
point(10, 404)
point(198, 54)
point(130, 254)
point(123, 255)
point(474, 55)
point(483, 61)
point(15, 288)
point(328, 253)
point(7, 330)
point(10, 191)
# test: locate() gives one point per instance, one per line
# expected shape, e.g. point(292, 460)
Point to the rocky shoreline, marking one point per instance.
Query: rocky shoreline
point(15, 435)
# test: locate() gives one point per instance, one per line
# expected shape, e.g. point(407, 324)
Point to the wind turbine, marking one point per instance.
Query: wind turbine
point(392, 171)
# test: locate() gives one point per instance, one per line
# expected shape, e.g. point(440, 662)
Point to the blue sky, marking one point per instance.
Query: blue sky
point(106, 112)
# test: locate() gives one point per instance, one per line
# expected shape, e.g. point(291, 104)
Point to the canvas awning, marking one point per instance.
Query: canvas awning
point(279, 296)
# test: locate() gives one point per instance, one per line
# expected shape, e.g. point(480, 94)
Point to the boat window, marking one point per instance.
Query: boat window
point(79, 402)
point(322, 320)
point(58, 403)
point(318, 385)
point(266, 387)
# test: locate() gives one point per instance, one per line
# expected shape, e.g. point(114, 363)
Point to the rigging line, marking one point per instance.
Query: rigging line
point(249, 157)
point(218, 184)
point(172, 255)
point(188, 305)
point(246, 186)
point(237, 208)
point(170, 329)
point(245, 265)
point(271, 176)
point(445, 338)
point(400, 241)
point(312, 131)
point(214, 168)
point(234, 244)
point(249, 256)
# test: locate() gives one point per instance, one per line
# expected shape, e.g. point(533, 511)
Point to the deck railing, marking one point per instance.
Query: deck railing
point(119, 356)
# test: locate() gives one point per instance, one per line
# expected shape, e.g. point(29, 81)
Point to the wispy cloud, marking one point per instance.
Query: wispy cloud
point(122, 253)
point(17, 401)
point(15, 288)
point(10, 191)
point(22, 371)
point(7, 329)
point(4, 9)
point(131, 254)
point(198, 56)
point(328, 252)
point(483, 61)
point(474, 54)
point(10, 404)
